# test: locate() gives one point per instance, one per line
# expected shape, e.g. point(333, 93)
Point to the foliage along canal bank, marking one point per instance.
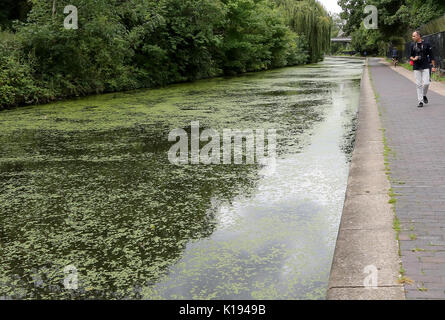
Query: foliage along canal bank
point(125, 45)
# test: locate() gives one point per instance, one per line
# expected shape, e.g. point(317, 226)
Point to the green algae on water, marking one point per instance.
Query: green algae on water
point(87, 182)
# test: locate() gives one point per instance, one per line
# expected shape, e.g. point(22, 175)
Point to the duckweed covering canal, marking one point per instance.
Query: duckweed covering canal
point(88, 183)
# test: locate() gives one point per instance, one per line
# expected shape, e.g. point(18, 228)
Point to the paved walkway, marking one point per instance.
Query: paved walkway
point(417, 138)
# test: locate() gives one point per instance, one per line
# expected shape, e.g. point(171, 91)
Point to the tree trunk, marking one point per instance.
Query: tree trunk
point(54, 8)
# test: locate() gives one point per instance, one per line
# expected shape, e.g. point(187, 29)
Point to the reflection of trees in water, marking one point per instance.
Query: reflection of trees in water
point(349, 137)
point(121, 223)
point(350, 124)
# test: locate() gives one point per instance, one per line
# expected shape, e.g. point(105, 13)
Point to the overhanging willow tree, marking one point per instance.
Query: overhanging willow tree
point(310, 19)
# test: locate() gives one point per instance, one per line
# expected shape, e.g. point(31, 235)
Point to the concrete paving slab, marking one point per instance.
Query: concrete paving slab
point(367, 212)
point(391, 293)
point(370, 147)
point(364, 183)
point(357, 249)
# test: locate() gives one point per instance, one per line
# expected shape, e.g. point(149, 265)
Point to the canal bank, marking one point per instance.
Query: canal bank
point(366, 251)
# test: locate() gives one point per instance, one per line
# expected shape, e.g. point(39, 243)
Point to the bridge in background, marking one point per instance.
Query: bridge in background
point(344, 40)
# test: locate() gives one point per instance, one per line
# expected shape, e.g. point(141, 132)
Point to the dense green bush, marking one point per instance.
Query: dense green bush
point(17, 84)
point(78, 62)
point(123, 45)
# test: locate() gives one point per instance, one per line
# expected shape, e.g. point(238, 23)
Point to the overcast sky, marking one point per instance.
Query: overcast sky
point(331, 5)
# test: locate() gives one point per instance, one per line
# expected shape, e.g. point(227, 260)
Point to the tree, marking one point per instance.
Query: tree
point(130, 44)
point(13, 10)
point(423, 11)
point(395, 19)
point(395, 16)
point(352, 13)
point(309, 19)
point(338, 25)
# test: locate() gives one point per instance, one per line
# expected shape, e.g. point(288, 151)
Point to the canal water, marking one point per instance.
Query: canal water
point(87, 192)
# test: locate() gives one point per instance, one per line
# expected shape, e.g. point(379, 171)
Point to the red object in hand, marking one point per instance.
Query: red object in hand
point(412, 62)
